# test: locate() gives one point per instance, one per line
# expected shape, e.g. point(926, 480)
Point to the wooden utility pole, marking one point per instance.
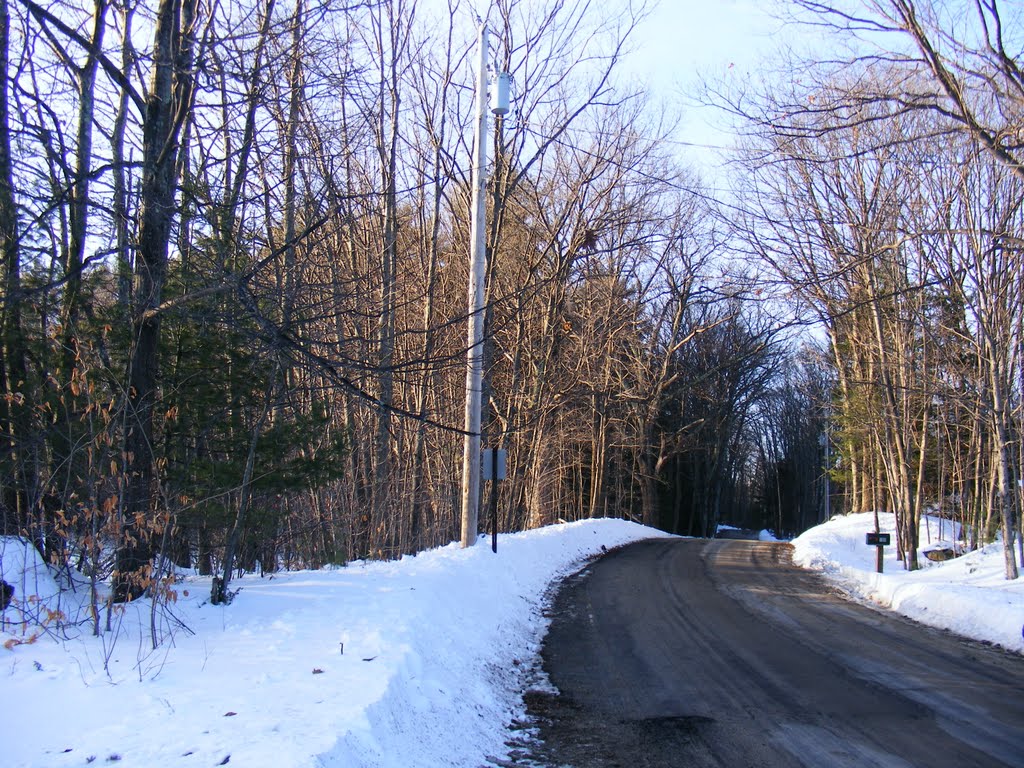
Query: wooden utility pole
point(475, 336)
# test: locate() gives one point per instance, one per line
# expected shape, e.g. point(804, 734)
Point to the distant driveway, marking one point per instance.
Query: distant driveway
point(696, 653)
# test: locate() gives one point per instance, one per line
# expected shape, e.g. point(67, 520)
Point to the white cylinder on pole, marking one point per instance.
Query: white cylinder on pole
point(499, 94)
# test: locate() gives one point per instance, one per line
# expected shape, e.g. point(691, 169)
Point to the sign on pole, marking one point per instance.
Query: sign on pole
point(493, 463)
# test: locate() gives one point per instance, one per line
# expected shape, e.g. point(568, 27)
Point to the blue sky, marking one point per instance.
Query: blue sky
point(682, 37)
point(685, 39)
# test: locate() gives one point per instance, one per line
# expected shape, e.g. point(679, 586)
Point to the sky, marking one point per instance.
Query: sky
point(684, 40)
point(417, 663)
point(685, 37)
point(681, 40)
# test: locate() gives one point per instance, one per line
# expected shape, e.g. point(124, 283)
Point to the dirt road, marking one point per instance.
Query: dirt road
point(721, 653)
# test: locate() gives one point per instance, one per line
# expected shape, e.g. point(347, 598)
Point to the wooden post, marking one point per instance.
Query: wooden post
point(879, 542)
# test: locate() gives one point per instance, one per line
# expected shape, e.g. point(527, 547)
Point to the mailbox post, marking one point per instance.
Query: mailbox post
point(879, 541)
point(494, 461)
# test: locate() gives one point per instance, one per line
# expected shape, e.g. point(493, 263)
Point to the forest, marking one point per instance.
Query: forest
point(234, 242)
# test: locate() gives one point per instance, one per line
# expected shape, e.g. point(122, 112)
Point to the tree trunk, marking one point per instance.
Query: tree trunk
point(1004, 477)
point(166, 109)
point(13, 366)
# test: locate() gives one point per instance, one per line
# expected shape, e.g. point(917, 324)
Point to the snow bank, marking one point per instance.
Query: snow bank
point(968, 595)
point(418, 662)
point(36, 597)
point(413, 663)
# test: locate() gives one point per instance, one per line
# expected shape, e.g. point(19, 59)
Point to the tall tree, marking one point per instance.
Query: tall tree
point(13, 366)
point(959, 62)
point(167, 108)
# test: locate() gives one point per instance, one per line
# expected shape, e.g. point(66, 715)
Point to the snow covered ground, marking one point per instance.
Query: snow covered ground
point(418, 662)
point(968, 595)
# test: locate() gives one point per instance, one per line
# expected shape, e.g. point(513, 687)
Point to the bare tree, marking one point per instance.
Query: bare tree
point(985, 258)
point(168, 104)
point(827, 216)
point(12, 344)
point(958, 62)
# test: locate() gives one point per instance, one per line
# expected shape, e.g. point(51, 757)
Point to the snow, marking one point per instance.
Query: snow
point(418, 662)
point(22, 568)
point(968, 595)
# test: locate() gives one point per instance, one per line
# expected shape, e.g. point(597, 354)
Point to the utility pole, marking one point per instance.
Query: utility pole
point(475, 335)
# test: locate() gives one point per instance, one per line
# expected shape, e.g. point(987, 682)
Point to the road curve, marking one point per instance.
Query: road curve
point(684, 652)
